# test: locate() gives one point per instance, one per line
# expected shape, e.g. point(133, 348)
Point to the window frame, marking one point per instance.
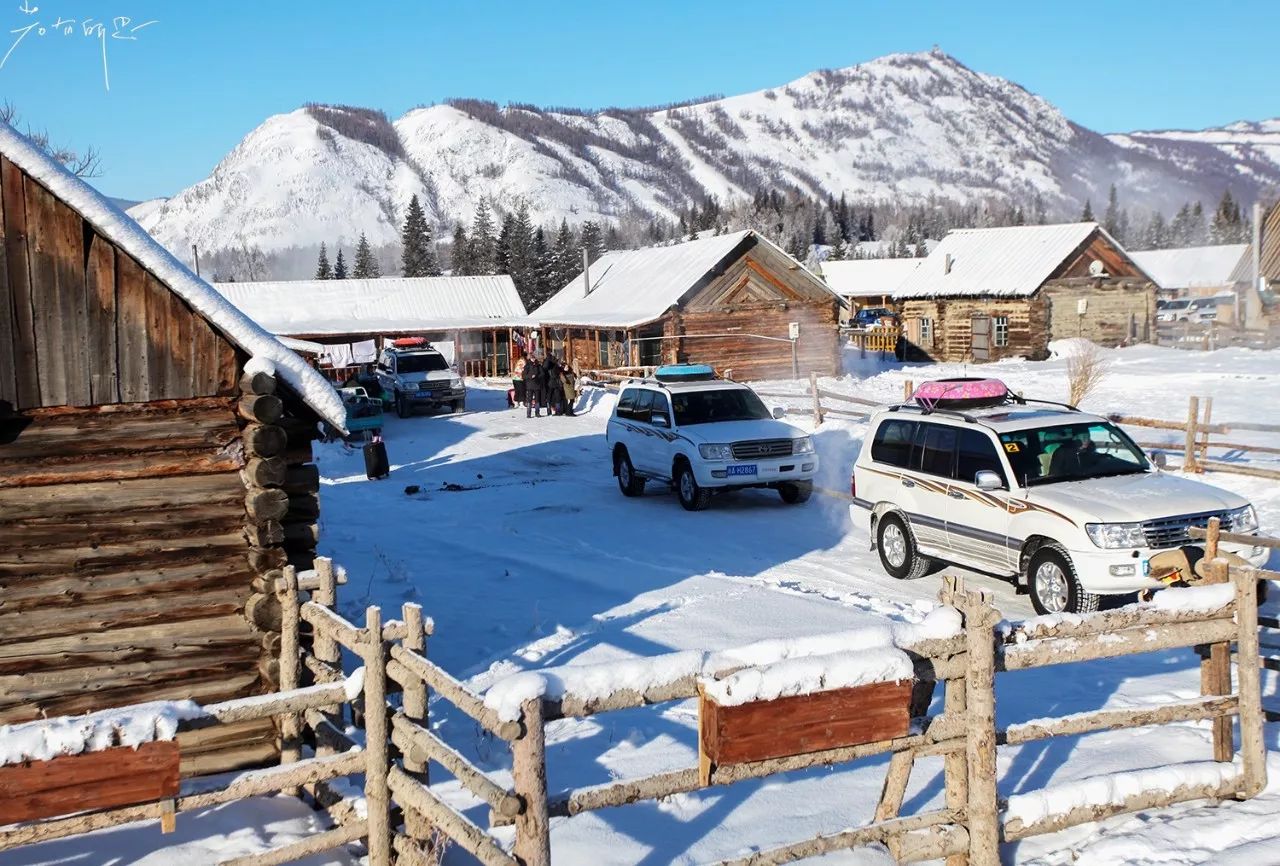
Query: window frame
point(878, 439)
point(1000, 331)
point(926, 331)
point(996, 449)
point(918, 451)
point(627, 411)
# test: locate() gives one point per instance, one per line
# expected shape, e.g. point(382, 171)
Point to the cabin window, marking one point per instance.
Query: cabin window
point(602, 340)
point(926, 331)
point(1000, 324)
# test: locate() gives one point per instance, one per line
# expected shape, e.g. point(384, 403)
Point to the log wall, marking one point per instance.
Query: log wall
point(953, 327)
point(1117, 312)
point(82, 323)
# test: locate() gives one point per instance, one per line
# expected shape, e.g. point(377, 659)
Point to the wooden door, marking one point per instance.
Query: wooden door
point(980, 338)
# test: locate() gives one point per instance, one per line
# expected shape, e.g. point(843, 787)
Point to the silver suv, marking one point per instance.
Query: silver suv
point(415, 374)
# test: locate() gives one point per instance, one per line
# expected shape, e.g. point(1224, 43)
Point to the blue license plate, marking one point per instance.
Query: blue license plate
point(749, 469)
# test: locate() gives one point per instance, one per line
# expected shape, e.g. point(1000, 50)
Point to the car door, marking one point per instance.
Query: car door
point(660, 423)
point(978, 520)
point(933, 464)
point(642, 447)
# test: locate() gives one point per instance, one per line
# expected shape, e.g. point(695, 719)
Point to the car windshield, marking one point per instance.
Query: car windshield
point(1177, 305)
point(1072, 452)
point(423, 363)
point(722, 404)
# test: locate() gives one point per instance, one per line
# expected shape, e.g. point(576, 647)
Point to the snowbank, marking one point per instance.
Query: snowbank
point(129, 236)
point(74, 735)
point(593, 682)
point(808, 675)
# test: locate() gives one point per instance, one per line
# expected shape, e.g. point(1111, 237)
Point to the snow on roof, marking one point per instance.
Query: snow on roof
point(377, 306)
point(1191, 267)
point(131, 726)
point(867, 278)
point(1013, 261)
point(304, 347)
point(126, 234)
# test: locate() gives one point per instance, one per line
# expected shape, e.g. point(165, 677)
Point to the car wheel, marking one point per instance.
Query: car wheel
point(692, 496)
point(402, 405)
point(898, 552)
point(795, 492)
point(459, 405)
point(1054, 585)
point(629, 482)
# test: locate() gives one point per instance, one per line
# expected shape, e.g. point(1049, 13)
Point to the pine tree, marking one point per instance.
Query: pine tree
point(566, 260)
point(482, 248)
point(543, 270)
point(1197, 230)
point(1156, 237)
point(1087, 215)
point(1038, 211)
point(417, 250)
point(592, 240)
point(340, 266)
point(366, 267)
point(323, 271)
point(460, 259)
point(1111, 219)
point(502, 250)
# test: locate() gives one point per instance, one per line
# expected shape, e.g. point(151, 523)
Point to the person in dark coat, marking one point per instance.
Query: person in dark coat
point(552, 387)
point(533, 379)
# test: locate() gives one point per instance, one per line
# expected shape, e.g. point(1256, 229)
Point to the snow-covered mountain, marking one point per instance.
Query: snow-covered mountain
point(906, 127)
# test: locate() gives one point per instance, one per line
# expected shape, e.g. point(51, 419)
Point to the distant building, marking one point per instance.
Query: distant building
point(471, 319)
point(1193, 272)
point(985, 294)
point(867, 282)
point(1262, 301)
point(727, 300)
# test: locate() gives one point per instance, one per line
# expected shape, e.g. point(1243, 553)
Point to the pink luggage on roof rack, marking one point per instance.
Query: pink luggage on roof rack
point(960, 393)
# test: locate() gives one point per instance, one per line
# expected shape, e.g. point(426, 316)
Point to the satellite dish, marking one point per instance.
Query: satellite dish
point(1097, 269)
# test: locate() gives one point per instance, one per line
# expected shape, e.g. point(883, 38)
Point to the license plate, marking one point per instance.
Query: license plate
point(749, 469)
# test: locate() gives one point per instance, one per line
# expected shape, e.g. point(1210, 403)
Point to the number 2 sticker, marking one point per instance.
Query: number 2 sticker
point(1012, 447)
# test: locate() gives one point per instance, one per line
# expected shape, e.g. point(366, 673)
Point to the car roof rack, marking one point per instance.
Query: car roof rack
point(1024, 400)
point(950, 413)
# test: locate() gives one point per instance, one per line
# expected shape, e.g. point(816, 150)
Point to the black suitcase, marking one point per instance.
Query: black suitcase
point(375, 460)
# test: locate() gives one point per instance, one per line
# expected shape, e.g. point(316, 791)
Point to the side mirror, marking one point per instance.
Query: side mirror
point(778, 412)
point(988, 480)
point(659, 419)
point(1160, 459)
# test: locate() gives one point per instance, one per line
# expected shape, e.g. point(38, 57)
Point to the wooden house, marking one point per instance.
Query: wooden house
point(1193, 272)
point(728, 300)
point(1261, 300)
point(470, 319)
point(867, 282)
point(986, 294)
point(153, 480)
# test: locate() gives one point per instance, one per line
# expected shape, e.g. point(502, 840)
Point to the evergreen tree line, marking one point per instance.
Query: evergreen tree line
point(366, 266)
point(1189, 227)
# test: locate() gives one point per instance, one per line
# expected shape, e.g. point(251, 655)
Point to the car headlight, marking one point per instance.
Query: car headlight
point(1242, 519)
point(1110, 536)
point(455, 382)
point(716, 452)
point(803, 445)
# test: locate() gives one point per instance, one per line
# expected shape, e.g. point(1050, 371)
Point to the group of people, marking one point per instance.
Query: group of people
point(540, 382)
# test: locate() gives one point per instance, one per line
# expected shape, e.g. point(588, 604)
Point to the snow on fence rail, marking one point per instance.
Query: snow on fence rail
point(962, 646)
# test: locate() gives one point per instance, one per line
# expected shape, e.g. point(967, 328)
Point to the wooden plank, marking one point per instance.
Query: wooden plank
point(159, 301)
point(91, 434)
point(8, 327)
point(105, 496)
point(131, 330)
point(119, 776)
point(801, 724)
point(67, 470)
point(200, 684)
point(17, 258)
point(100, 281)
point(69, 267)
point(179, 347)
point(46, 303)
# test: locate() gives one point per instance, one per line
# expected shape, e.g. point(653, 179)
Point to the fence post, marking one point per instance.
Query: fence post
point(908, 389)
point(324, 648)
point(415, 709)
point(376, 793)
point(817, 400)
point(529, 768)
point(1193, 416)
point(955, 706)
point(1253, 748)
point(1207, 420)
point(980, 728)
point(290, 660)
point(1215, 662)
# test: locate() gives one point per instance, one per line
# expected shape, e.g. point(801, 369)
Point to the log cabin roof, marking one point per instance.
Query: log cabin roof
point(129, 237)
point(1012, 261)
point(634, 287)
point(378, 306)
point(867, 278)
point(1192, 267)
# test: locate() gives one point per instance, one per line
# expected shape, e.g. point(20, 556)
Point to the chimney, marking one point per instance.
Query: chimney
point(586, 273)
point(946, 263)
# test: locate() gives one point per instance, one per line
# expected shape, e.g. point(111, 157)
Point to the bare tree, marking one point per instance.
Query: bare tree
point(81, 163)
point(1087, 366)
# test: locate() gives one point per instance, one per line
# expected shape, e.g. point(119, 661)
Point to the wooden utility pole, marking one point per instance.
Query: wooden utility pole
point(586, 272)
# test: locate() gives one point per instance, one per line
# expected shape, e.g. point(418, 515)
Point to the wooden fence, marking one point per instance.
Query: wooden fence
point(1207, 336)
point(405, 821)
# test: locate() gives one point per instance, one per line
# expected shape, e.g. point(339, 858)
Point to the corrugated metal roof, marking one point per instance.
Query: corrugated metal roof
point(1191, 267)
point(864, 278)
point(1013, 261)
point(318, 307)
point(632, 287)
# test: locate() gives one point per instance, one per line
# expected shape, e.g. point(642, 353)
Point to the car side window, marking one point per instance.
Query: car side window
point(659, 405)
point(976, 453)
point(892, 443)
point(627, 403)
point(644, 405)
point(938, 450)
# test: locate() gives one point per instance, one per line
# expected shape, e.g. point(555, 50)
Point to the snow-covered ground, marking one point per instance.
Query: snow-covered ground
point(519, 545)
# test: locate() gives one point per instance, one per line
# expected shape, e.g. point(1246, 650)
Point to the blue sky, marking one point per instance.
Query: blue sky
point(186, 89)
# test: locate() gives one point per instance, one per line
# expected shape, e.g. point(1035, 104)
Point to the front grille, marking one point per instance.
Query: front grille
point(425, 386)
point(1172, 531)
point(762, 448)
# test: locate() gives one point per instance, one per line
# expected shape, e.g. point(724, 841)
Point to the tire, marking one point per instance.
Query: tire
point(795, 492)
point(629, 482)
point(402, 406)
point(692, 496)
point(459, 405)
point(1054, 585)
point(896, 545)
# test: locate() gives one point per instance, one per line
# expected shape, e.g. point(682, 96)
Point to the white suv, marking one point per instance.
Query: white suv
point(1053, 497)
point(414, 374)
point(703, 437)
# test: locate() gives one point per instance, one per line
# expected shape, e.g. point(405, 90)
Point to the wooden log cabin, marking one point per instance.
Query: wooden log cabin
point(728, 300)
point(470, 319)
point(987, 294)
point(153, 478)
